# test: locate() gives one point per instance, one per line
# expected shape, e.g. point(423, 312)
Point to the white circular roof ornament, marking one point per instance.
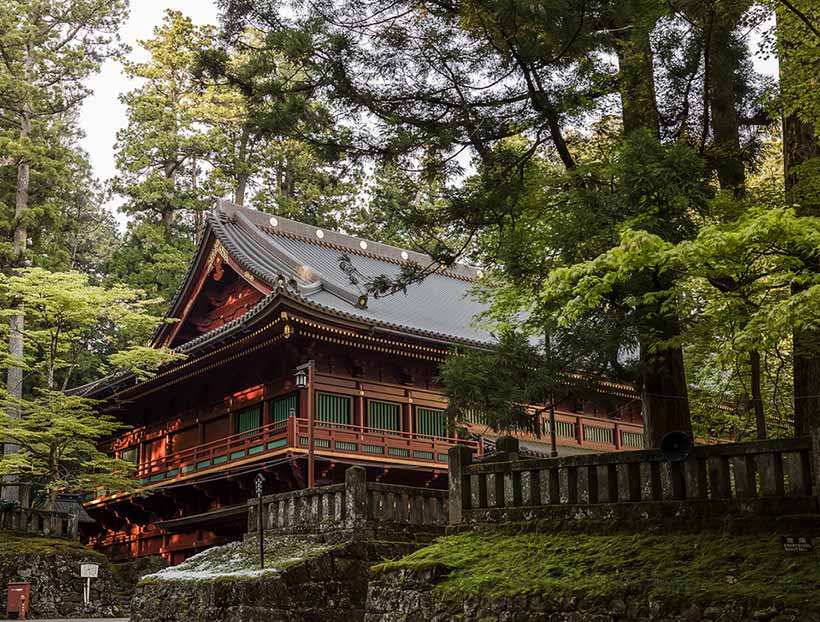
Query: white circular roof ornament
point(274, 222)
point(363, 245)
point(320, 234)
point(405, 256)
point(479, 273)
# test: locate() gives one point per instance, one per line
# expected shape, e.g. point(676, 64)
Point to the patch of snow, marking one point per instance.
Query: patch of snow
point(240, 559)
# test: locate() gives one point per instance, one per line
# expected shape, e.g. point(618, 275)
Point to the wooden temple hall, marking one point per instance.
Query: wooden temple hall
point(284, 353)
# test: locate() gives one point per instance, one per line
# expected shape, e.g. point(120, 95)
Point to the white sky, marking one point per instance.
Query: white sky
point(102, 113)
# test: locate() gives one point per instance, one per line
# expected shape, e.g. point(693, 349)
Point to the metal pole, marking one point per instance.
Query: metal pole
point(311, 471)
point(260, 481)
point(261, 536)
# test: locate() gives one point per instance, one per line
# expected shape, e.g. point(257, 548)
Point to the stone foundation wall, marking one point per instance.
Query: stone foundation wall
point(408, 595)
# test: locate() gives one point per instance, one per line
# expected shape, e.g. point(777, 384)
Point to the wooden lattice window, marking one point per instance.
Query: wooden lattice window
point(281, 407)
point(130, 454)
point(383, 415)
point(430, 421)
point(332, 408)
point(248, 419)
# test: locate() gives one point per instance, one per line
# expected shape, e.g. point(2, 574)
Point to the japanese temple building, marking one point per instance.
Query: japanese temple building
point(280, 348)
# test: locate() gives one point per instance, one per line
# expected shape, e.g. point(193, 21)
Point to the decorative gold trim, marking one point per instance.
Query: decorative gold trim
point(349, 343)
point(370, 338)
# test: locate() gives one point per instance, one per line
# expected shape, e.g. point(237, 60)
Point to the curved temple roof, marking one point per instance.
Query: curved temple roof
point(307, 260)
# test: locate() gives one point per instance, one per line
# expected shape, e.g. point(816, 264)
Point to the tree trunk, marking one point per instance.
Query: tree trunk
point(723, 81)
point(167, 221)
point(757, 396)
point(242, 168)
point(239, 193)
point(636, 80)
point(14, 378)
point(664, 394)
point(800, 145)
point(167, 213)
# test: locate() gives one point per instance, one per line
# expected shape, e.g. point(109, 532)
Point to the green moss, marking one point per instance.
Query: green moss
point(13, 545)
point(691, 568)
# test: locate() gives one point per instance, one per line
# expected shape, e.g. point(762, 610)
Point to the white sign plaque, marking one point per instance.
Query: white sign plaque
point(89, 571)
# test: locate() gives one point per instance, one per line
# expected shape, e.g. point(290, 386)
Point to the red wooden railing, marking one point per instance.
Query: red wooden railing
point(588, 432)
point(329, 438)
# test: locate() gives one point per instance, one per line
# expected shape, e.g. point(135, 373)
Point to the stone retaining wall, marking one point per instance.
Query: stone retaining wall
point(330, 587)
point(53, 570)
point(408, 595)
point(353, 505)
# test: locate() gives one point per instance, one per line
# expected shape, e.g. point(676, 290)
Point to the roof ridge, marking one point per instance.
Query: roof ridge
point(311, 234)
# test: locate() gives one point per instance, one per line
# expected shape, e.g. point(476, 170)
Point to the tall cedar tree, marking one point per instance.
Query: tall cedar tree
point(48, 48)
point(798, 39)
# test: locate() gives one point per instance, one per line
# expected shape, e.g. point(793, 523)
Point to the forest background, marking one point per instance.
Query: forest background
point(643, 203)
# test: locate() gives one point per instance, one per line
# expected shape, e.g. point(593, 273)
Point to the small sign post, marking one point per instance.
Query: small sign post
point(259, 481)
point(88, 572)
point(797, 544)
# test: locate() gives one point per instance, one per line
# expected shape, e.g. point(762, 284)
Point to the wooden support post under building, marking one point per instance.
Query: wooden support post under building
point(311, 460)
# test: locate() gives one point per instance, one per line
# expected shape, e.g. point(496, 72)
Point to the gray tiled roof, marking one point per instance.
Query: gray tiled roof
point(439, 306)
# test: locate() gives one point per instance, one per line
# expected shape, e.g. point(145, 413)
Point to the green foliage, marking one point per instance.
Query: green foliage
point(798, 48)
point(158, 148)
point(58, 437)
point(71, 324)
point(67, 319)
point(498, 385)
point(48, 47)
point(150, 260)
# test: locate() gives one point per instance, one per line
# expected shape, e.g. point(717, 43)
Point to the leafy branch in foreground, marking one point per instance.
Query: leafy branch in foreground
point(58, 438)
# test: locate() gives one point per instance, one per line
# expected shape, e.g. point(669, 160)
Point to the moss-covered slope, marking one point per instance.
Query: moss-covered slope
point(695, 569)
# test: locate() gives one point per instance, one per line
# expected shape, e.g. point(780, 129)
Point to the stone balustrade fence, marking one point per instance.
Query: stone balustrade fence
point(354, 504)
point(772, 477)
point(36, 522)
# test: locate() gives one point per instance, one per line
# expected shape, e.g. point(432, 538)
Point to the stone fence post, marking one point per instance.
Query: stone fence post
point(814, 434)
point(458, 458)
point(356, 496)
point(509, 446)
